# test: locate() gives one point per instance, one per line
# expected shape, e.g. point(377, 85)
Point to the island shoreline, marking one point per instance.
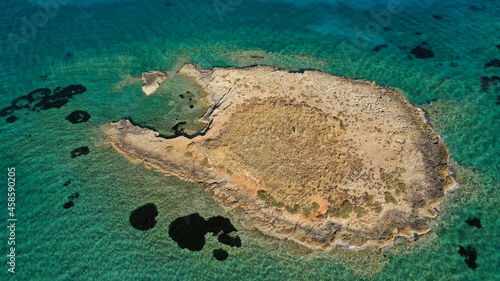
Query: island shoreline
point(146, 146)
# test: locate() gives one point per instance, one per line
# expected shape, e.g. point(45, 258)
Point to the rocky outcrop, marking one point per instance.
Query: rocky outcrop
point(153, 79)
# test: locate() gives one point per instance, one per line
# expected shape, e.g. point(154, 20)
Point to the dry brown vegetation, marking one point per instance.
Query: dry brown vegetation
point(298, 152)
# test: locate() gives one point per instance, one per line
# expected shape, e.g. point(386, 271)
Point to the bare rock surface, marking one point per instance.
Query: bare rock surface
point(153, 79)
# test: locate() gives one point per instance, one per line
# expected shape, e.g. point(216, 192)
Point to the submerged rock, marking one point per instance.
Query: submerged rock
point(422, 53)
point(23, 102)
point(78, 116)
point(474, 222)
point(230, 241)
point(487, 82)
point(40, 94)
point(58, 98)
point(11, 119)
point(189, 231)
point(7, 111)
point(492, 63)
point(218, 223)
point(68, 205)
point(84, 150)
point(378, 48)
point(143, 218)
point(220, 254)
point(470, 255)
point(42, 99)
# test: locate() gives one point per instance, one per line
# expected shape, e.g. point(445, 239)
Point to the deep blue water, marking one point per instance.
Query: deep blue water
point(99, 43)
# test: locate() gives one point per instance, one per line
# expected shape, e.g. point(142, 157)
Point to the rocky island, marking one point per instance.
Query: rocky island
point(307, 156)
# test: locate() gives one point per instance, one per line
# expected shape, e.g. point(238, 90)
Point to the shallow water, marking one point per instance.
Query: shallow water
point(99, 43)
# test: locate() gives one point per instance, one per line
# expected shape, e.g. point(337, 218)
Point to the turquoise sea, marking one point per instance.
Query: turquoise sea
point(100, 43)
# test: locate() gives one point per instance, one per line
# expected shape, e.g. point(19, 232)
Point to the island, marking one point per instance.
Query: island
point(306, 156)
